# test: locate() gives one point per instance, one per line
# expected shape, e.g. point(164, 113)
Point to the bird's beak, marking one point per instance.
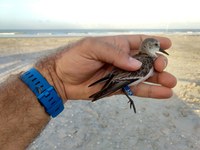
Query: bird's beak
point(161, 50)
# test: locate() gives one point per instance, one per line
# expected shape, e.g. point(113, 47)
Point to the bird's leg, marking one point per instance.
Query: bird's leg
point(131, 102)
point(127, 91)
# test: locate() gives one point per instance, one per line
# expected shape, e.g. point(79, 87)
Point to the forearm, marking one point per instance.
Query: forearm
point(21, 115)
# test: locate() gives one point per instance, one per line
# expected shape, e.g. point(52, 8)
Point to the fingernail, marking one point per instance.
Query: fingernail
point(135, 62)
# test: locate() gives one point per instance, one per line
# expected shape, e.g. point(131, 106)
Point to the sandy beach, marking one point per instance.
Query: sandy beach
point(109, 124)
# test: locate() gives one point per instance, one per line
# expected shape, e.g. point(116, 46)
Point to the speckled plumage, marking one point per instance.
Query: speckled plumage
point(119, 78)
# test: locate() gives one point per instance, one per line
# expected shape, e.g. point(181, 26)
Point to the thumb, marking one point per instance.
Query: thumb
point(117, 57)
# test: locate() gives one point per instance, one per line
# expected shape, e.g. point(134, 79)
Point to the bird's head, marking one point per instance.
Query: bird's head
point(151, 47)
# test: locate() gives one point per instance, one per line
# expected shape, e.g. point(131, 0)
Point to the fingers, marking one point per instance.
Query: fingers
point(160, 63)
point(166, 81)
point(106, 52)
point(135, 41)
point(150, 91)
point(164, 78)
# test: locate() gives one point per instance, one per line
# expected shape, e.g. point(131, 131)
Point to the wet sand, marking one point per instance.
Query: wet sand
point(110, 124)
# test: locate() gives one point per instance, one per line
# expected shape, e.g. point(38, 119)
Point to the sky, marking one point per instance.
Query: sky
point(72, 14)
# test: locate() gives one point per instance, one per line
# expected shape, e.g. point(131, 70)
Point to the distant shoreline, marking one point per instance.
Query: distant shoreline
point(91, 32)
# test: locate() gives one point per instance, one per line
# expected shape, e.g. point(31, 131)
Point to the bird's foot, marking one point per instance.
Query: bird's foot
point(132, 105)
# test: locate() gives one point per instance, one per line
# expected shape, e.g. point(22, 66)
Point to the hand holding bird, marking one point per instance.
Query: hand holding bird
point(93, 58)
point(119, 79)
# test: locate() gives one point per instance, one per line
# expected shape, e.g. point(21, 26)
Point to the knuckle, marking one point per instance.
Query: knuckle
point(90, 41)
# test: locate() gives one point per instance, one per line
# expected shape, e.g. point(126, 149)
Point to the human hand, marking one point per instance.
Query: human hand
point(92, 58)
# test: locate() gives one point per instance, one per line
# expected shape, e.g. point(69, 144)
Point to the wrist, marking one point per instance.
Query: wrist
point(47, 67)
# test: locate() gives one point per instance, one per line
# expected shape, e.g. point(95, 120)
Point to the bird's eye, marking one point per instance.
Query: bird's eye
point(156, 44)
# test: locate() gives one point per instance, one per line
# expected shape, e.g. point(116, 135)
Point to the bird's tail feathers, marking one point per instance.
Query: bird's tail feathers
point(101, 80)
point(111, 88)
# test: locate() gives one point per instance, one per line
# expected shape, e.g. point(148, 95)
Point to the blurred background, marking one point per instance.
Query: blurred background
point(73, 16)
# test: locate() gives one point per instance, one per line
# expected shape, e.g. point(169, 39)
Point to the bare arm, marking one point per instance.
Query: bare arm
point(22, 118)
point(21, 115)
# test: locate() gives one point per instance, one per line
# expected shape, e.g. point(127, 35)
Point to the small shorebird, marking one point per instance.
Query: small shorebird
point(120, 79)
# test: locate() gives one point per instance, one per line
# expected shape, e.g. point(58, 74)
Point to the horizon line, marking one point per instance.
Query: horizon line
point(103, 29)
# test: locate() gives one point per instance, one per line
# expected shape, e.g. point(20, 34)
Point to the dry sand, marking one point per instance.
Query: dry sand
point(109, 124)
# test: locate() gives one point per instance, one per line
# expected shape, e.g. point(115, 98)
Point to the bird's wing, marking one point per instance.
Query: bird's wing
point(115, 81)
point(110, 88)
point(118, 78)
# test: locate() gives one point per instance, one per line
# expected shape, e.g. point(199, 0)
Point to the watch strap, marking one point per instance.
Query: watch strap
point(45, 93)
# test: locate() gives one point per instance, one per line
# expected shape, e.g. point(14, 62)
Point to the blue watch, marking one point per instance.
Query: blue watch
point(45, 93)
